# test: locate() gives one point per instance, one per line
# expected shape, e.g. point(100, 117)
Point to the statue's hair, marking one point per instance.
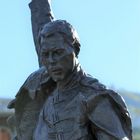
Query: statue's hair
point(65, 29)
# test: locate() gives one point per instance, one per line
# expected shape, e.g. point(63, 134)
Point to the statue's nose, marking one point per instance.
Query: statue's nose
point(51, 59)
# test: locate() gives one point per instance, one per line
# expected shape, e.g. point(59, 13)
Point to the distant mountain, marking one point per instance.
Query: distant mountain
point(4, 111)
point(133, 102)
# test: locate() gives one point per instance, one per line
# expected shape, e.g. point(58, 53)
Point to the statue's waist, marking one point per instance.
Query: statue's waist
point(75, 134)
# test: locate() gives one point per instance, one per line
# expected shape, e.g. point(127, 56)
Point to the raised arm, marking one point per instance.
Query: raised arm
point(40, 14)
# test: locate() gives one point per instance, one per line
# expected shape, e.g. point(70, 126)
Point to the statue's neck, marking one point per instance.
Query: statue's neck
point(71, 80)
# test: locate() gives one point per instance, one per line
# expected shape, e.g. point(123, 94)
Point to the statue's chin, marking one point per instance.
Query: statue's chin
point(57, 78)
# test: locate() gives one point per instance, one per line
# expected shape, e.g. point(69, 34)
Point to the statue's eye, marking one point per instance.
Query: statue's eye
point(45, 54)
point(59, 52)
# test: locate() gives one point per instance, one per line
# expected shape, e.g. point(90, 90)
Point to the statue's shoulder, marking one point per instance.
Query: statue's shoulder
point(37, 73)
point(34, 78)
point(93, 91)
point(33, 82)
point(96, 99)
point(89, 82)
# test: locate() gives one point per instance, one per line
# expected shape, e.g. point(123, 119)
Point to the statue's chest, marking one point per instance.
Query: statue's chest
point(65, 113)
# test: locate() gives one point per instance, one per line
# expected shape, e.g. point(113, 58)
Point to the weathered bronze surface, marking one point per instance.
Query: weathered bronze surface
point(60, 101)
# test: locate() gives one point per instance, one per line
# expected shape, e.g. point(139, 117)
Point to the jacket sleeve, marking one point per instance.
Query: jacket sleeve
point(105, 120)
point(40, 15)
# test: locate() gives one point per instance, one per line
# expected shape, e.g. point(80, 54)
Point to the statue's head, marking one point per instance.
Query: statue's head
point(59, 48)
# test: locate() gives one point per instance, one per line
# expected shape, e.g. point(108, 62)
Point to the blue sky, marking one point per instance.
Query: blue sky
point(109, 31)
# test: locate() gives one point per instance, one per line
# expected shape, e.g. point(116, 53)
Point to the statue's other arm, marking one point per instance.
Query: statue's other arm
point(106, 122)
point(40, 15)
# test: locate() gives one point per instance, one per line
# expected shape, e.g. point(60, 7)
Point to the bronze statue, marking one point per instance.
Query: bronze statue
point(79, 107)
point(60, 101)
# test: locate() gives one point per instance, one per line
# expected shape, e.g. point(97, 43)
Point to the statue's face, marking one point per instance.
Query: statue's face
point(58, 57)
